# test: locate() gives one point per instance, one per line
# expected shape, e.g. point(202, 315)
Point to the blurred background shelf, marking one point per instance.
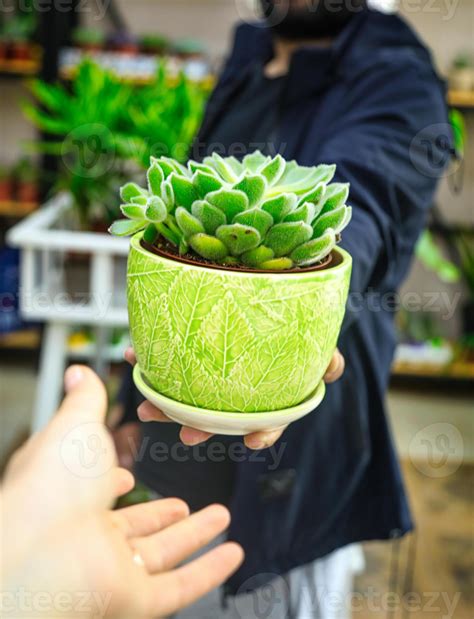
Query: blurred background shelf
point(19, 68)
point(460, 98)
point(458, 371)
point(12, 208)
point(23, 339)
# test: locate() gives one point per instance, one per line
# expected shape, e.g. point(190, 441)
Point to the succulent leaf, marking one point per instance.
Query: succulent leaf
point(183, 247)
point(346, 222)
point(133, 211)
point(194, 166)
point(277, 264)
point(188, 224)
point(315, 195)
point(285, 237)
point(184, 191)
point(230, 201)
point(280, 206)
point(230, 261)
point(238, 238)
point(209, 247)
point(150, 234)
point(325, 173)
point(255, 161)
point(125, 227)
point(210, 216)
point(315, 250)
point(155, 210)
point(335, 196)
point(167, 195)
point(256, 218)
point(221, 166)
point(170, 235)
point(302, 179)
point(306, 213)
point(165, 166)
point(255, 257)
point(273, 170)
point(206, 183)
point(334, 219)
point(179, 167)
point(131, 190)
point(155, 177)
point(236, 166)
point(253, 186)
point(141, 200)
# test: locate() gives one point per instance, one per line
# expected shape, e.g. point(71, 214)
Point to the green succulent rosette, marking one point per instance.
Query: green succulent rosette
point(262, 213)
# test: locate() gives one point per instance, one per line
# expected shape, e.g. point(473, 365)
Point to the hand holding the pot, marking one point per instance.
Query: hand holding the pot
point(257, 440)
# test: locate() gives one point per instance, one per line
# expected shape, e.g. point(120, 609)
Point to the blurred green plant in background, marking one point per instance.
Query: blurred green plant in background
point(104, 130)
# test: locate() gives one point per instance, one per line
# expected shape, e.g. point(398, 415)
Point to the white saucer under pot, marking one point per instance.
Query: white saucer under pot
point(229, 423)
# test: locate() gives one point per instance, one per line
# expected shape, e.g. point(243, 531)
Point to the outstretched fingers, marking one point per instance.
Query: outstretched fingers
point(166, 549)
point(149, 518)
point(172, 591)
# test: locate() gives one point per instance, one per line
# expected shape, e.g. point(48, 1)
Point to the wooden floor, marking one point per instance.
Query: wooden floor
point(429, 574)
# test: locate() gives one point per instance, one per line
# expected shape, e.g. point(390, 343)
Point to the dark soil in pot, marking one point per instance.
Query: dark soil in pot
point(170, 251)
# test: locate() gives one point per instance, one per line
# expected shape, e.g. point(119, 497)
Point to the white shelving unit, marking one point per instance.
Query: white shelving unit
point(49, 243)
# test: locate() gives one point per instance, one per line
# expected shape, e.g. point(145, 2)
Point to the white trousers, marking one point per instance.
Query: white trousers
point(318, 590)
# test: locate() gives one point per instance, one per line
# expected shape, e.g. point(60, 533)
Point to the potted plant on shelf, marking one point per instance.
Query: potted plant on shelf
point(89, 39)
point(154, 44)
point(236, 289)
point(188, 49)
point(461, 75)
point(19, 32)
point(6, 185)
point(26, 182)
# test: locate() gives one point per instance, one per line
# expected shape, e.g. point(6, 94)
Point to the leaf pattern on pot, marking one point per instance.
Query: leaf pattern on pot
point(217, 351)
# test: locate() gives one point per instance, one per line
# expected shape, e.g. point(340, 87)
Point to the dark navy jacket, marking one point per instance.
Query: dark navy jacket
point(379, 113)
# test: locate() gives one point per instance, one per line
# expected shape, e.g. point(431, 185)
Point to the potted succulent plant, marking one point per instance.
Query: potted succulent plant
point(236, 288)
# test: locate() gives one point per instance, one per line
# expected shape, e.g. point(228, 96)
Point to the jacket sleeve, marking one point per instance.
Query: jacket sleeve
point(392, 144)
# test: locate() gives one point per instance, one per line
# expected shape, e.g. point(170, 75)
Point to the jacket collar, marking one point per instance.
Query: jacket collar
point(312, 69)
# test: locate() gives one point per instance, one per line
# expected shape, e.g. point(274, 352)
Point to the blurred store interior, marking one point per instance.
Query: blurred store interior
point(431, 395)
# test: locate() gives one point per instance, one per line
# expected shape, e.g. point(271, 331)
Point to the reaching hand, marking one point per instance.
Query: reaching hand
point(257, 440)
point(63, 538)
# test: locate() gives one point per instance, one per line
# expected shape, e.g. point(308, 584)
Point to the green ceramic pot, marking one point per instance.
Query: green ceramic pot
point(230, 340)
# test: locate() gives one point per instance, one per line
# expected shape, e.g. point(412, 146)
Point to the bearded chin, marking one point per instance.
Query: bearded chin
point(312, 19)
